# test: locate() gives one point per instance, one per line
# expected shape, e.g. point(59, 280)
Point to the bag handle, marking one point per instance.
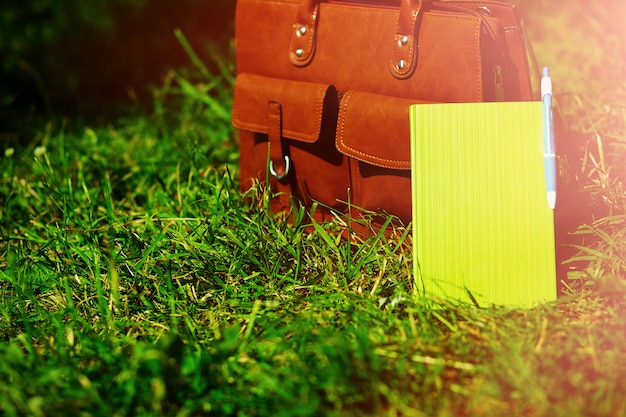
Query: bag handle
point(403, 48)
point(403, 55)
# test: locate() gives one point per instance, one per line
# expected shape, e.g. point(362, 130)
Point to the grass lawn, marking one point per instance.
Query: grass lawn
point(135, 279)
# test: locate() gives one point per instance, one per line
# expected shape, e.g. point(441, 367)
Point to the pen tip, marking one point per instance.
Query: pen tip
point(546, 72)
point(552, 199)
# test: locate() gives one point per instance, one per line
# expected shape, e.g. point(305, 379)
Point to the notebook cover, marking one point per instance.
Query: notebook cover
point(481, 220)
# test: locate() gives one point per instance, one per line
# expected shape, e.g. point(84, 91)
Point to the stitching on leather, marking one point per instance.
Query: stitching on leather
point(479, 66)
point(437, 15)
point(368, 157)
point(394, 49)
point(319, 110)
point(396, 55)
point(476, 48)
point(299, 135)
point(390, 10)
point(311, 34)
point(235, 115)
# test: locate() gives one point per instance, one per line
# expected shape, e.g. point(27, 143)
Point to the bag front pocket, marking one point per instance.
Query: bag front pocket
point(373, 131)
point(287, 131)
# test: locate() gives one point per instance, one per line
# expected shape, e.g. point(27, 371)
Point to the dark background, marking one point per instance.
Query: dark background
point(83, 58)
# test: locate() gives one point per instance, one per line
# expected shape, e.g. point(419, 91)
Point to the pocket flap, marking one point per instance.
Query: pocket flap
point(302, 105)
point(375, 129)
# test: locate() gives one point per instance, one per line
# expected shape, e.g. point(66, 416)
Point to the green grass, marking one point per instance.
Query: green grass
point(135, 279)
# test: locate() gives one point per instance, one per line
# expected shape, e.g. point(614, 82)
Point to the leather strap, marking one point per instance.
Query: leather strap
point(402, 61)
point(404, 53)
point(302, 41)
point(279, 162)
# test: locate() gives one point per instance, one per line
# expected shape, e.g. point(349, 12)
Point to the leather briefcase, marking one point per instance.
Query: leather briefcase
point(323, 88)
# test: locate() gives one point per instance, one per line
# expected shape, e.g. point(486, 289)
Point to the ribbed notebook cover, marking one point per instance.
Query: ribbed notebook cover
point(481, 220)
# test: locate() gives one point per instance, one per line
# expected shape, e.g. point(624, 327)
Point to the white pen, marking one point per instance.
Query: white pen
point(549, 154)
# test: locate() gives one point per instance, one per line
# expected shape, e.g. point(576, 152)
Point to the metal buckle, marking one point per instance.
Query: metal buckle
point(282, 176)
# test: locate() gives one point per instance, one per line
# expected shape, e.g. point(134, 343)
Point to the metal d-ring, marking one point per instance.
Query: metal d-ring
point(282, 176)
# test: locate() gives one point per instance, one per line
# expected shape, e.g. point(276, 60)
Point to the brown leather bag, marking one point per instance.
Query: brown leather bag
point(323, 89)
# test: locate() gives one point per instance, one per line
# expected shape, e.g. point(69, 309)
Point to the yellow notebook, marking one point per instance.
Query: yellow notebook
point(482, 228)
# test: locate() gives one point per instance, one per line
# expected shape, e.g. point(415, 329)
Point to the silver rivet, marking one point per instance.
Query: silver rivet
point(301, 31)
point(299, 52)
point(401, 64)
point(403, 40)
point(484, 10)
